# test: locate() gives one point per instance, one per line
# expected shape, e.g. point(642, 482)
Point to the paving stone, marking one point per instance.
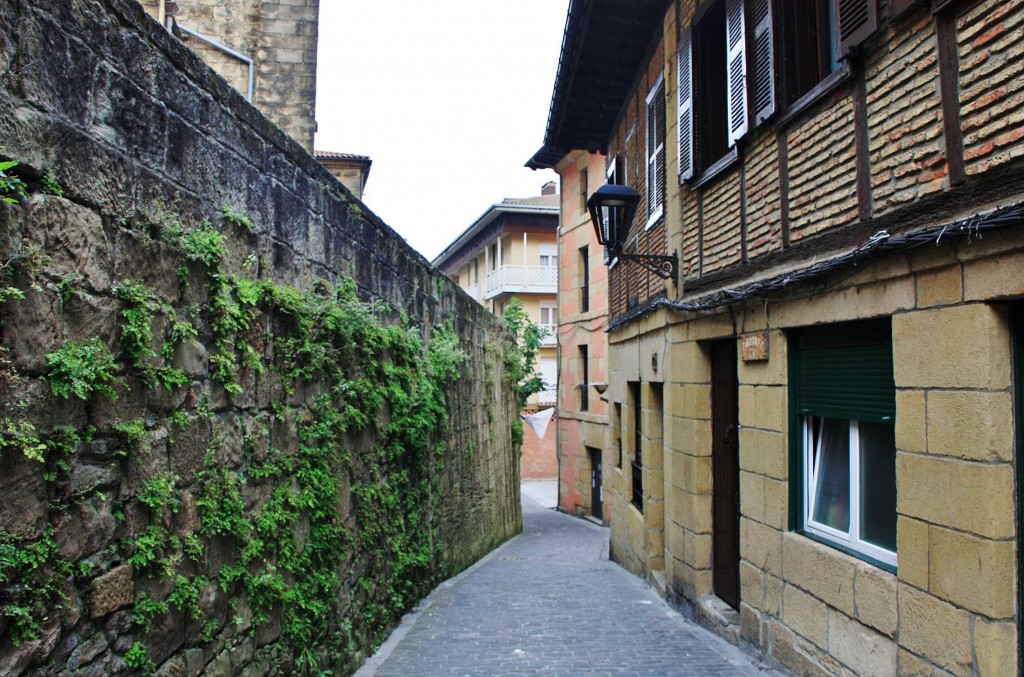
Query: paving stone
point(550, 603)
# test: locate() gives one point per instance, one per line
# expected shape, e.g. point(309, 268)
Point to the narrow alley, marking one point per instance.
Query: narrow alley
point(549, 602)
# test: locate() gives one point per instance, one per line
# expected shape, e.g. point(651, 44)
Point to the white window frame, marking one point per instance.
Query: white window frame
point(656, 155)
point(548, 256)
point(850, 540)
point(552, 308)
point(612, 177)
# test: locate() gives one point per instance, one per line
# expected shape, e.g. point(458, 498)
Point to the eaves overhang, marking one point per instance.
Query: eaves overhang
point(492, 214)
point(603, 47)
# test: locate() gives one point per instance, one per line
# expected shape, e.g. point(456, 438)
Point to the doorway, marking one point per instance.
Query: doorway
point(596, 486)
point(725, 472)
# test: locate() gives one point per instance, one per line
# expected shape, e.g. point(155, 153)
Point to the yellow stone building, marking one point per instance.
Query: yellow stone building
point(815, 420)
point(352, 170)
point(265, 50)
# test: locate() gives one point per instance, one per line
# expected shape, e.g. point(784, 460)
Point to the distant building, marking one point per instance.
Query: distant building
point(511, 251)
point(267, 51)
point(582, 342)
point(351, 170)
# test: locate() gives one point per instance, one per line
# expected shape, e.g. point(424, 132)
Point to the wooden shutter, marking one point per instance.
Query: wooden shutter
point(764, 61)
point(736, 74)
point(685, 109)
point(857, 20)
point(656, 151)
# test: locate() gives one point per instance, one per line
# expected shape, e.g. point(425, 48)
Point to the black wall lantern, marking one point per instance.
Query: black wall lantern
point(612, 208)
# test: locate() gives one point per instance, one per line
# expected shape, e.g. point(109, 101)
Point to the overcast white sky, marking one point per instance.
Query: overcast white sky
point(449, 99)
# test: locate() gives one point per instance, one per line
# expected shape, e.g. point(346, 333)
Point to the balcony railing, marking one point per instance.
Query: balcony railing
point(521, 280)
point(547, 397)
point(474, 291)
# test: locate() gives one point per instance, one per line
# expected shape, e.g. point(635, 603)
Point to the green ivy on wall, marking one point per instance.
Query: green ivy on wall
point(366, 398)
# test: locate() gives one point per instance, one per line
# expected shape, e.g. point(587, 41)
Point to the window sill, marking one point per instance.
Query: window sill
point(717, 169)
point(849, 551)
point(656, 219)
point(801, 105)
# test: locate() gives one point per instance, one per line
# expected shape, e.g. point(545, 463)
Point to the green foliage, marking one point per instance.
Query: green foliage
point(185, 595)
point(221, 508)
point(81, 369)
point(233, 307)
point(12, 188)
point(22, 436)
point(31, 577)
point(60, 443)
point(281, 517)
point(134, 432)
point(8, 293)
point(520, 361)
point(138, 657)
point(50, 186)
point(150, 547)
point(204, 244)
point(236, 219)
point(68, 287)
point(146, 609)
point(141, 306)
point(137, 320)
point(160, 493)
point(180, 332)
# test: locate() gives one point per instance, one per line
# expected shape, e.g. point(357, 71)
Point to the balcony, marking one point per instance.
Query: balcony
point(547, 398)
point(521, 280)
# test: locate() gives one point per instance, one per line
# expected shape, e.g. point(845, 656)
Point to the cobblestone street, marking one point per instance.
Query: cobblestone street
point(550, 603)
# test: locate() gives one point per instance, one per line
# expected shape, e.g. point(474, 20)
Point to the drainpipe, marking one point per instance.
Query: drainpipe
point(171, 24)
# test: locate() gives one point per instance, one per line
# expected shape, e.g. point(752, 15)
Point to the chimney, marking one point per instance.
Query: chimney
point(549, 188)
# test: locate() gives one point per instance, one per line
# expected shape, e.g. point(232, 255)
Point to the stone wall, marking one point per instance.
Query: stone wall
point(178, 252)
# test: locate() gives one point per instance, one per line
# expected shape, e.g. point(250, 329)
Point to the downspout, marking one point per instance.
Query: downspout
point(172, 24)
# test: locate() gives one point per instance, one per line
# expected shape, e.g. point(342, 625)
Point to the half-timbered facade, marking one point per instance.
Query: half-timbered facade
point(819, 442)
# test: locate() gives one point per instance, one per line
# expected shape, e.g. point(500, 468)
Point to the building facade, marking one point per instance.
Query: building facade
point(821, 409)
point(352, 170)
point(265, 50)
point(582, 345)
point(511, 251)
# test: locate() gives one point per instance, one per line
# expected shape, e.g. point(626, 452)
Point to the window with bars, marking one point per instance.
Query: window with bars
point(637, 464)
point(584, 378)
point(584, 254)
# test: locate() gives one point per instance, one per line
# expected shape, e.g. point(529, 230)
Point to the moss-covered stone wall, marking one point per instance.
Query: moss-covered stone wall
point(243, 426)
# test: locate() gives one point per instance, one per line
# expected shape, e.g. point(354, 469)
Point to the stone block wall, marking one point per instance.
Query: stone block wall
point(172, 245)
point(950, 605)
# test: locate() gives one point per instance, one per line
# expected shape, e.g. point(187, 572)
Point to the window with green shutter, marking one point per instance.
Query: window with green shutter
point(843, 400)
